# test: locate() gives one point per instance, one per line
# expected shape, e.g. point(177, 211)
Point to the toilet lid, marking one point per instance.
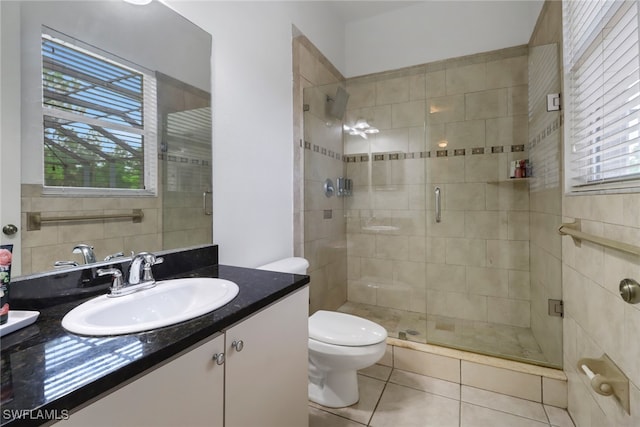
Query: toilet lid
point(344, 329)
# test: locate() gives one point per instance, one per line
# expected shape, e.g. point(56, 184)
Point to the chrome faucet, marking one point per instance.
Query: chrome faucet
point(140, 268)
point(139, 277)
point(86, 251)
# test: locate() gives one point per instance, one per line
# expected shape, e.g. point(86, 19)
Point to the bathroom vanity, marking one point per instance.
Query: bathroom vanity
point(245, 364)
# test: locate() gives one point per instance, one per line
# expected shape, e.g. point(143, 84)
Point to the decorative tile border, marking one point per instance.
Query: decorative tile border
point(376, 157)
point(180, 159)
point(324, 151)
point(544, 133)
point(361, 158)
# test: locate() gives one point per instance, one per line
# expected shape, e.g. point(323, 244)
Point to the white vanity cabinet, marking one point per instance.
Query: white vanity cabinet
point(262, 382)
point(187, 391)
point(266, 377)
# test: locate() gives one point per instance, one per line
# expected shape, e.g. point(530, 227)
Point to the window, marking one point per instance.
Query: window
point(99, 118)
point(602, 82)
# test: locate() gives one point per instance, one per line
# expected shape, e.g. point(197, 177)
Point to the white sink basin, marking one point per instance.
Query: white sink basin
point(168, 303)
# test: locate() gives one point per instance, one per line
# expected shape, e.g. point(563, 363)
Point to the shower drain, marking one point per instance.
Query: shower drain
point(403, 334)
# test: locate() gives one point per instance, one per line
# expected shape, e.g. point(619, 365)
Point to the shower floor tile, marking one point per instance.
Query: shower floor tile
point(510, 342)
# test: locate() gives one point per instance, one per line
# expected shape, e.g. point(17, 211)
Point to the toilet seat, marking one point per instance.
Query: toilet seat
point(343, 329)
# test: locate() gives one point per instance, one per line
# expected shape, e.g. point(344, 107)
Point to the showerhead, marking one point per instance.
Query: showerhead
point(337, 105)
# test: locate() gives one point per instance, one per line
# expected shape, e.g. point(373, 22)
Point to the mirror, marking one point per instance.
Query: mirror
point(171, 49)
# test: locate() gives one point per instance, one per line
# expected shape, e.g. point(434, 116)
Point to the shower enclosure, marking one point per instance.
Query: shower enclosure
point(436, 236)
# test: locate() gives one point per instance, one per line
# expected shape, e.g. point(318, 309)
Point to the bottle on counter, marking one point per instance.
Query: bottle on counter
point(5, 278)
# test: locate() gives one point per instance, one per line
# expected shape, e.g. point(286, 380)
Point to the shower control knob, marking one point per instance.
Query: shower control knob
point(630, 291)
point(238, 345)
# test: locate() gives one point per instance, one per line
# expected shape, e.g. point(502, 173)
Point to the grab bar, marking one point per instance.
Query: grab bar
point(204, 202)
point(575, 231)
point(438, 209)
point(35, 219)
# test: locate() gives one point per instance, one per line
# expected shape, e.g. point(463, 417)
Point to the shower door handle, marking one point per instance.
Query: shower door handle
point(204, 202)
point(438, 205)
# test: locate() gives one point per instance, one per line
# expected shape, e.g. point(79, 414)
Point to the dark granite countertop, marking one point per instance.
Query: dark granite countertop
point(47, 371)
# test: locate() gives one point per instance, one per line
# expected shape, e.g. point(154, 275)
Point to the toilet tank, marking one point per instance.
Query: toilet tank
point(294, 265)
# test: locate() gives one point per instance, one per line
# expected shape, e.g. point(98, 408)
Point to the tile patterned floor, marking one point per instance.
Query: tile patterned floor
point(481, 337)
point(395, 398)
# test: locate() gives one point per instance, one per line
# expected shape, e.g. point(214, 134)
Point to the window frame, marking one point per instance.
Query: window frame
point(624, 183)
point(149, 131)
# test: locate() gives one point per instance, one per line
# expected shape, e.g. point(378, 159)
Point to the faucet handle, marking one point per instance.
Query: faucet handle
point(113, 256)
point(116, 283)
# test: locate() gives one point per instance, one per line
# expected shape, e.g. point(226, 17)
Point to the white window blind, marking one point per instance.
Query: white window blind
point(602, 84)
point(99, 119)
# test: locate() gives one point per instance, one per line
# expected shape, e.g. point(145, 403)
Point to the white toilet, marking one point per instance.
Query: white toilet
point(339, 345)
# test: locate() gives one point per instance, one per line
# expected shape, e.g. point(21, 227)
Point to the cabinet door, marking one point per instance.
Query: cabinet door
point(266, 381)
point(187, 391)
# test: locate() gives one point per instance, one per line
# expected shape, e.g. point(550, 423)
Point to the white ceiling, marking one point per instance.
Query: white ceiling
point(355, 10)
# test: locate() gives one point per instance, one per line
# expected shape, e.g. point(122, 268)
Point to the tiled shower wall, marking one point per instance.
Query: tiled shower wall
point(319, 229)
point(455, 125)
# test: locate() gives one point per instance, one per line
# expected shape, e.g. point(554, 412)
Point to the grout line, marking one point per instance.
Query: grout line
point(375, 408)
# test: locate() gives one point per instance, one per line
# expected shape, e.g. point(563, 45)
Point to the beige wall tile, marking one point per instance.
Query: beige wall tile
point(519, 284)
point(488, 281)
point(517, 384)
point(436, 84)
point(517, 103)
point(467, 134)
point(471, 252)
point(432, 365)
point(409, 273)
point(507, 131)
point(454, 304)
point(361, 95)
point(361, 245)
point(470, 78)
point(554, 392)
point(485, 224)
point(509, 312)
point(446, 277)
point(451, 225)
point(376, 270)
point(509, 254)
point(465, 197)
point(392, 91)
point(417, 87)
point(394, 140)
point(408, 114)
point(392, 247)
point(436, 249)
point(518, 225)
point(507, 72)
point(481, 168)
point(417, 248)
point(361, 292)
point(445, 170)
point(486, 104)
point(446, 109)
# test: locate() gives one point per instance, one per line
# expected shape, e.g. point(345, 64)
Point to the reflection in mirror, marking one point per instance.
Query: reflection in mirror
point(171, 208)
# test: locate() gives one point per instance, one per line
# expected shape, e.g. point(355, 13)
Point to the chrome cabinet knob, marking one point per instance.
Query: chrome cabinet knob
point(238, 345)
point(218, 358)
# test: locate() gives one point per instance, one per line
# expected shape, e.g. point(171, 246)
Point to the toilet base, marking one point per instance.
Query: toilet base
point(336, 389)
